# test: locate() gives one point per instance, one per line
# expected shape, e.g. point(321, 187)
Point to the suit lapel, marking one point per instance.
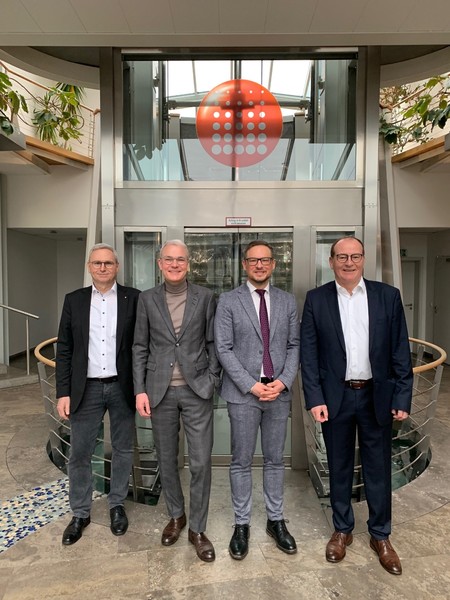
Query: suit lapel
point(274, 310)
point(161, 303)
point(333, 307)
point(85, 312)
point(191, 306)
point(373, 306)
point(122, 307)
point(246, 299)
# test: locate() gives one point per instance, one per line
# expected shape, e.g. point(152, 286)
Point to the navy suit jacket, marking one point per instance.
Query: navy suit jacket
point(323, 355)
point(73, 343)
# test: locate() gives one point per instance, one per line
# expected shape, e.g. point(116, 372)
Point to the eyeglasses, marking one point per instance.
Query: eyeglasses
point(265, 261)
point(342, 258)
point(169, 260)
point(108, 264)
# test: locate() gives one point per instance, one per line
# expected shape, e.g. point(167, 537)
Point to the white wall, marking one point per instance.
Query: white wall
point(40, 272)
point(422, 199)
point(59, 200)
point(70, 268)
point(31, 287)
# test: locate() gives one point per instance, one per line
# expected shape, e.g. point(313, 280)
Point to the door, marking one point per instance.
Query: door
point(216, 262)
point(441, 335)
point(410, 285)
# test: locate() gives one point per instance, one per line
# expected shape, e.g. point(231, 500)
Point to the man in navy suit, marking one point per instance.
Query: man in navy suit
point(257, 386)
point(357, 376)
point(94, 375)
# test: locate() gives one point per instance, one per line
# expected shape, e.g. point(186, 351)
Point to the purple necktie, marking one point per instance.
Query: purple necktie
point(265, 332)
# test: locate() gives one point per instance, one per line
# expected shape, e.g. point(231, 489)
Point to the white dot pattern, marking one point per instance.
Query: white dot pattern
point(239, 121)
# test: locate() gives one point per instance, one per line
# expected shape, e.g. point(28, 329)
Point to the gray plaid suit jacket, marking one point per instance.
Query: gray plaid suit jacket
point(239, 344)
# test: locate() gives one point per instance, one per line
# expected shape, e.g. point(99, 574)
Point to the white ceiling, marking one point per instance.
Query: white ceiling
point(154, 23)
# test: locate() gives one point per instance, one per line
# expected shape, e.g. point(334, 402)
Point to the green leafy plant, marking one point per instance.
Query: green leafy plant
point(410, 113)
point(11, 102)
point(57, 115)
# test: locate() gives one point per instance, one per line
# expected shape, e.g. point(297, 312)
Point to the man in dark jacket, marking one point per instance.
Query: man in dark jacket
point(357, 376)
point(94, 375)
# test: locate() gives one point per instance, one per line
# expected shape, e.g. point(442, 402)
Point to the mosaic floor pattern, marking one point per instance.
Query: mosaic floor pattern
point(26, 513)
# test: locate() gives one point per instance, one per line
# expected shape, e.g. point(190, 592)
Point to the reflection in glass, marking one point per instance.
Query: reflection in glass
point(216, 262)
point(317, 100)
point(141, 270)
point(141, 252)
point(324, 241)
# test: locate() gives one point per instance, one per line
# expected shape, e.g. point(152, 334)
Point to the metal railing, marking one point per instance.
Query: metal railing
point(27, 316)
point(411, 439)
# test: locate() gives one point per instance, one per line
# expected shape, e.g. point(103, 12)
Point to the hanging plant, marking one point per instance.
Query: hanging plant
point(410, 113)
point(57, 115)
point(11, 102)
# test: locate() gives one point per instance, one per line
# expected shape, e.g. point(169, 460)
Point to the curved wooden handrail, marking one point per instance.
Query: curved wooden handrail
point(435, 363)
point(419, 369)
point(38, 355)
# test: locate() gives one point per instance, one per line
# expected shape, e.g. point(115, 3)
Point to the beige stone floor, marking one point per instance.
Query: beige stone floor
point(136, 567)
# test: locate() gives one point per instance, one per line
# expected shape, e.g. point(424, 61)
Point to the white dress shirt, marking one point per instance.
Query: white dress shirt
point(102, 333)
point(354, 312)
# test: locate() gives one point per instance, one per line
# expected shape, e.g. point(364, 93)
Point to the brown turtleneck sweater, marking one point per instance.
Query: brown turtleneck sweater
point(176, 302)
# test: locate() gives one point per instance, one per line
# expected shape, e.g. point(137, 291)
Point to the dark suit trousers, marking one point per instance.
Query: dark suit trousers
point(197, 416)
point(357, 414)
point(84, 425)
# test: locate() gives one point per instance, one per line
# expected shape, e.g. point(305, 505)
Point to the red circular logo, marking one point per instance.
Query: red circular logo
point(239, 123)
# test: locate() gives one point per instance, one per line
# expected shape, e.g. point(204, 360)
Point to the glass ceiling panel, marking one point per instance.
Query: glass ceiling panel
point(180, 78)
point(208, 73)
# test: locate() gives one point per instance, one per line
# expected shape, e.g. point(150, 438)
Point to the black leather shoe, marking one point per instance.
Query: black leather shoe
point(284, 540)
point(238, 547)
point(74, 530)
point(119, 521)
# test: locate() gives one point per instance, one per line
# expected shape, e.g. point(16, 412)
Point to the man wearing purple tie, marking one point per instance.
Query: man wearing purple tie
point(257, 337)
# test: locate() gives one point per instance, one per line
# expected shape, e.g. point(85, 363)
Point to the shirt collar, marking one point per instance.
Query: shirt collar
point(113, 290)
point(359, 289)
point(252, 288)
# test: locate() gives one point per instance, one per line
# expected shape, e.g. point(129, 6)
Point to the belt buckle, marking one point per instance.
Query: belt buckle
point(266, 380)
point(358, 384)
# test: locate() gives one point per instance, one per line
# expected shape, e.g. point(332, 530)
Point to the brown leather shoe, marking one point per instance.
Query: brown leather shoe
point(172, 530)
point(336, 547)
point(204, 548)
point(389, 559)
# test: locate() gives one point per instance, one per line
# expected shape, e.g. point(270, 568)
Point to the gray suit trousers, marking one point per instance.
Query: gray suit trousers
point(246, 419)
point(197, 416)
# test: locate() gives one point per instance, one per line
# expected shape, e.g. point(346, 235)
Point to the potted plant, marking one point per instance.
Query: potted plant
point(57, 115)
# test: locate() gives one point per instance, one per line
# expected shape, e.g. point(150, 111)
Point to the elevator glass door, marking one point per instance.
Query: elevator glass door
point(216, 262)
